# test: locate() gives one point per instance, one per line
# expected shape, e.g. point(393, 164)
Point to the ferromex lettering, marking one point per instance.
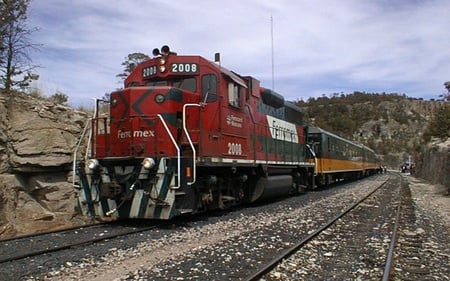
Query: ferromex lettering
point(282, 130)
point(135, 134)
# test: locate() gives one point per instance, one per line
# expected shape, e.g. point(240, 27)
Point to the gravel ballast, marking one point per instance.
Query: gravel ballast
point(232, 245)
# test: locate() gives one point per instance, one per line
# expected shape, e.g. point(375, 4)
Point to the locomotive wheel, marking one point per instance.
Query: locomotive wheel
point(301, 188)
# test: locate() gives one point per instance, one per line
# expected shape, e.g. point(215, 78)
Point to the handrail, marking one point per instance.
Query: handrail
point(251, 113)
point(178, 151)
point(94, 116)
point(315, 158)
point(74, 166)
point(194, 153)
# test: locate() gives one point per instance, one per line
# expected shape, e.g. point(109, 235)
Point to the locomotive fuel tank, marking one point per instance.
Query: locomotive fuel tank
point(272, 187)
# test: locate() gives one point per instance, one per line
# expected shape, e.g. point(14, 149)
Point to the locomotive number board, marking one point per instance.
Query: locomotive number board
point(178, 68)
point(149, 71)
point(184, 67)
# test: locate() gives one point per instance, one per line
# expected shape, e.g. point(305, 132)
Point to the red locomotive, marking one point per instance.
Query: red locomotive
point(187, 135)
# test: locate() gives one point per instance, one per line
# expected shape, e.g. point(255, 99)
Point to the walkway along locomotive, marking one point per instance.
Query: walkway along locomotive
point(187, 135)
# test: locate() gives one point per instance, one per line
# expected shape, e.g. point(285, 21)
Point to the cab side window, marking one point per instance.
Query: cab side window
point(234, 95)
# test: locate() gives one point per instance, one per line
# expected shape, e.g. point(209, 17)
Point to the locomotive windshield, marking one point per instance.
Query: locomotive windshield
point(156, 83)
point(189, 84)
point(209, 88)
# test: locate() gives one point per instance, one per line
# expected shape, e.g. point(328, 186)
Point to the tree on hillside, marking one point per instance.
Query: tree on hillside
point(440, 125)
point(446, 96)
point(15, 63)
point(59, 98)
point(130, 63)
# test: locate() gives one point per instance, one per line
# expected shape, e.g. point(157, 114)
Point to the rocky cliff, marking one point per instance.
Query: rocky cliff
point(433, 163)
point(37, 140)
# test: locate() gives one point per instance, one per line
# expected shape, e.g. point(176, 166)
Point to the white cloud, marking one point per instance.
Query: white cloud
point(320, 47)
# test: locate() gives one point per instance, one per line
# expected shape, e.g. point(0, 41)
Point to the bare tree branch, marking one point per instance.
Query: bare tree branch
point(16, 69)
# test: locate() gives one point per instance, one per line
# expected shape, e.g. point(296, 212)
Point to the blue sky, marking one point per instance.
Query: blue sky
point(320, 47)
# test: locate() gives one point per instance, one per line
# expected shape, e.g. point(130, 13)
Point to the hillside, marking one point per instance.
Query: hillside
point(393, 125)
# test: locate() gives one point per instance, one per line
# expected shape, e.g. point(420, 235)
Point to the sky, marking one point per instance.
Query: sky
point(301, 48)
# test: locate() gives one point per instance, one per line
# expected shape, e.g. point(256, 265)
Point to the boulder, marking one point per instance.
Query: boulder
point(42, 135)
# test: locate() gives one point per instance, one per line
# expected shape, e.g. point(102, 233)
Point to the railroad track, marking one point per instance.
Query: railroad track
point(252, 238)
point(238, 257)
point(266, 272)
point(44, 243)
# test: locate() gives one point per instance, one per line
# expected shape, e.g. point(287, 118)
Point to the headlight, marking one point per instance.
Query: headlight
point(162, 61)
point(162, 68)
point(114, 102)
point(148, 163)
point(159, 98)
point(92, 164)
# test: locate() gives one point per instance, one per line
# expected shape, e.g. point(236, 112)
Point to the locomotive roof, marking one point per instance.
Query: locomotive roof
point(233, 76)
point(293, 106)
point(317, 130)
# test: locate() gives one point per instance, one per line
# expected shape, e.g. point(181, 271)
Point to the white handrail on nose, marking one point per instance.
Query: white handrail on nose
point(178, 151)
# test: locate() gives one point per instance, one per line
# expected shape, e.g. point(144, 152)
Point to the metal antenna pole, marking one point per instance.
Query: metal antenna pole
point(271, 37)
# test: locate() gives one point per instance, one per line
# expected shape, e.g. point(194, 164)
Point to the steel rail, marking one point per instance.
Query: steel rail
point(75, 244)
point(292, 250)
point(390, 256)
point(51, 231)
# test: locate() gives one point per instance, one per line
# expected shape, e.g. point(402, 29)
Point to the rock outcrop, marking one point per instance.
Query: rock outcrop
point(434, 163)
point(37, 141)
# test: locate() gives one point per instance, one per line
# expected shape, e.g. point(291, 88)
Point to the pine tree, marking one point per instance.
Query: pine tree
point(15, 62)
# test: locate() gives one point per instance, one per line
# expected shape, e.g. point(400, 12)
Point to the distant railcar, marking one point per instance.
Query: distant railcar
point(338, 159)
